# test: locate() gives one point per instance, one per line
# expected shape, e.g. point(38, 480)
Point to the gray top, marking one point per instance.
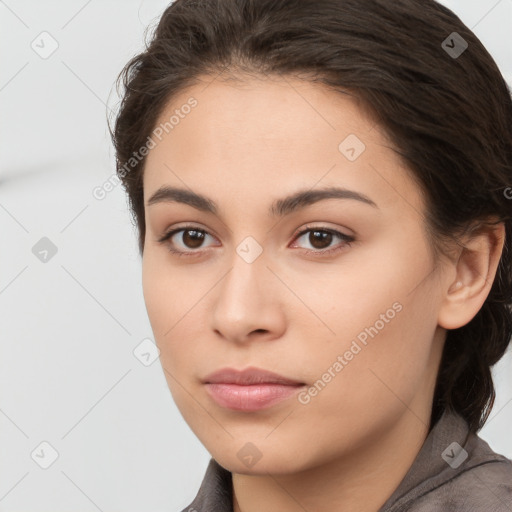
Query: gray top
point(455, 470)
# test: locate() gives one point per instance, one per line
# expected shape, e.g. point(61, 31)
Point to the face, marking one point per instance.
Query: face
point(336, 293)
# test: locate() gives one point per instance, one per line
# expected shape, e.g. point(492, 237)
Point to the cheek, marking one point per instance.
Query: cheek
point(375, 381)
point(168, 294)
point(173, 304)
point(383, 317)
point(165, 300)
point(158, 295)
point(165, 308)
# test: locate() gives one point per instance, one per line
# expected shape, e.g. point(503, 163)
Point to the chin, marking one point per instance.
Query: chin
point(248, 461)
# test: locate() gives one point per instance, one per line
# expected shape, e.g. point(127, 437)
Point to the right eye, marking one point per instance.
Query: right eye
point(191, 237)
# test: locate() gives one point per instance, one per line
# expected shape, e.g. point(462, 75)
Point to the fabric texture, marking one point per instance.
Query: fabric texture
point(455, 470)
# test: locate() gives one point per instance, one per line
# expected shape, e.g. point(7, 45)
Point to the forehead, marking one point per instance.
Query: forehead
point(274, 110)
point(250, 137)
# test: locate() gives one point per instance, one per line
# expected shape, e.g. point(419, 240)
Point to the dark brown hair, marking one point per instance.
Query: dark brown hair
point(449, 117)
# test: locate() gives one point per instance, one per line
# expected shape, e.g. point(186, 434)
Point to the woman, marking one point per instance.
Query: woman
point(322, 195)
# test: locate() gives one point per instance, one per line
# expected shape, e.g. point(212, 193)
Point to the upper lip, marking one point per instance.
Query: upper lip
point(251, 375)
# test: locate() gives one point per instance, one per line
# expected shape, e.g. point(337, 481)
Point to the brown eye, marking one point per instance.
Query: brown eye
point(192, 238)
point(185, 240)
point(321, 238)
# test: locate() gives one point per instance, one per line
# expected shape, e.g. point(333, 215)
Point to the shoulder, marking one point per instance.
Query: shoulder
point(485, 487)
point(456, 470)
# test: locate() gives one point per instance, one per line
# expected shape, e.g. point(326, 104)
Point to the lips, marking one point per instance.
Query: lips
point(249, 376)
point(249, 390)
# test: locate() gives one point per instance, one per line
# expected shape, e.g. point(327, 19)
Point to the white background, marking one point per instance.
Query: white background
point(68, 327)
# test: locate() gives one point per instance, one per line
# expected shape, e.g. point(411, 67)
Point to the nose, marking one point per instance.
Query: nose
point(247, 303)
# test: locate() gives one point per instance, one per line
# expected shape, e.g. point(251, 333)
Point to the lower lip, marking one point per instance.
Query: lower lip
point(250, 397)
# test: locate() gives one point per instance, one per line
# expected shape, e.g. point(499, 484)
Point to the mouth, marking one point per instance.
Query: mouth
point(249, 390)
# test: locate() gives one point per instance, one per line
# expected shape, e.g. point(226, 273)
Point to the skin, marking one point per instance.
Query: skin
point(244, 145)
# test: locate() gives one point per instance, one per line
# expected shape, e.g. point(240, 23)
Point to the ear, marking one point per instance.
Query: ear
point(474, 271)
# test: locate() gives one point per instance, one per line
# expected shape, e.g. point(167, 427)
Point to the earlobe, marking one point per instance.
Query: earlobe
point(475, 272)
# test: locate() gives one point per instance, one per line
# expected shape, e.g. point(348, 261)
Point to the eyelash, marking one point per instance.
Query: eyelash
point(347, 239)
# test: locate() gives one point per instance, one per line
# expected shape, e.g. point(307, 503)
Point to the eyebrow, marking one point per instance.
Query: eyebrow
point(279, 208)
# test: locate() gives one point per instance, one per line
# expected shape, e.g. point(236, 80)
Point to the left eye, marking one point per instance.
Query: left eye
point(319, 238)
